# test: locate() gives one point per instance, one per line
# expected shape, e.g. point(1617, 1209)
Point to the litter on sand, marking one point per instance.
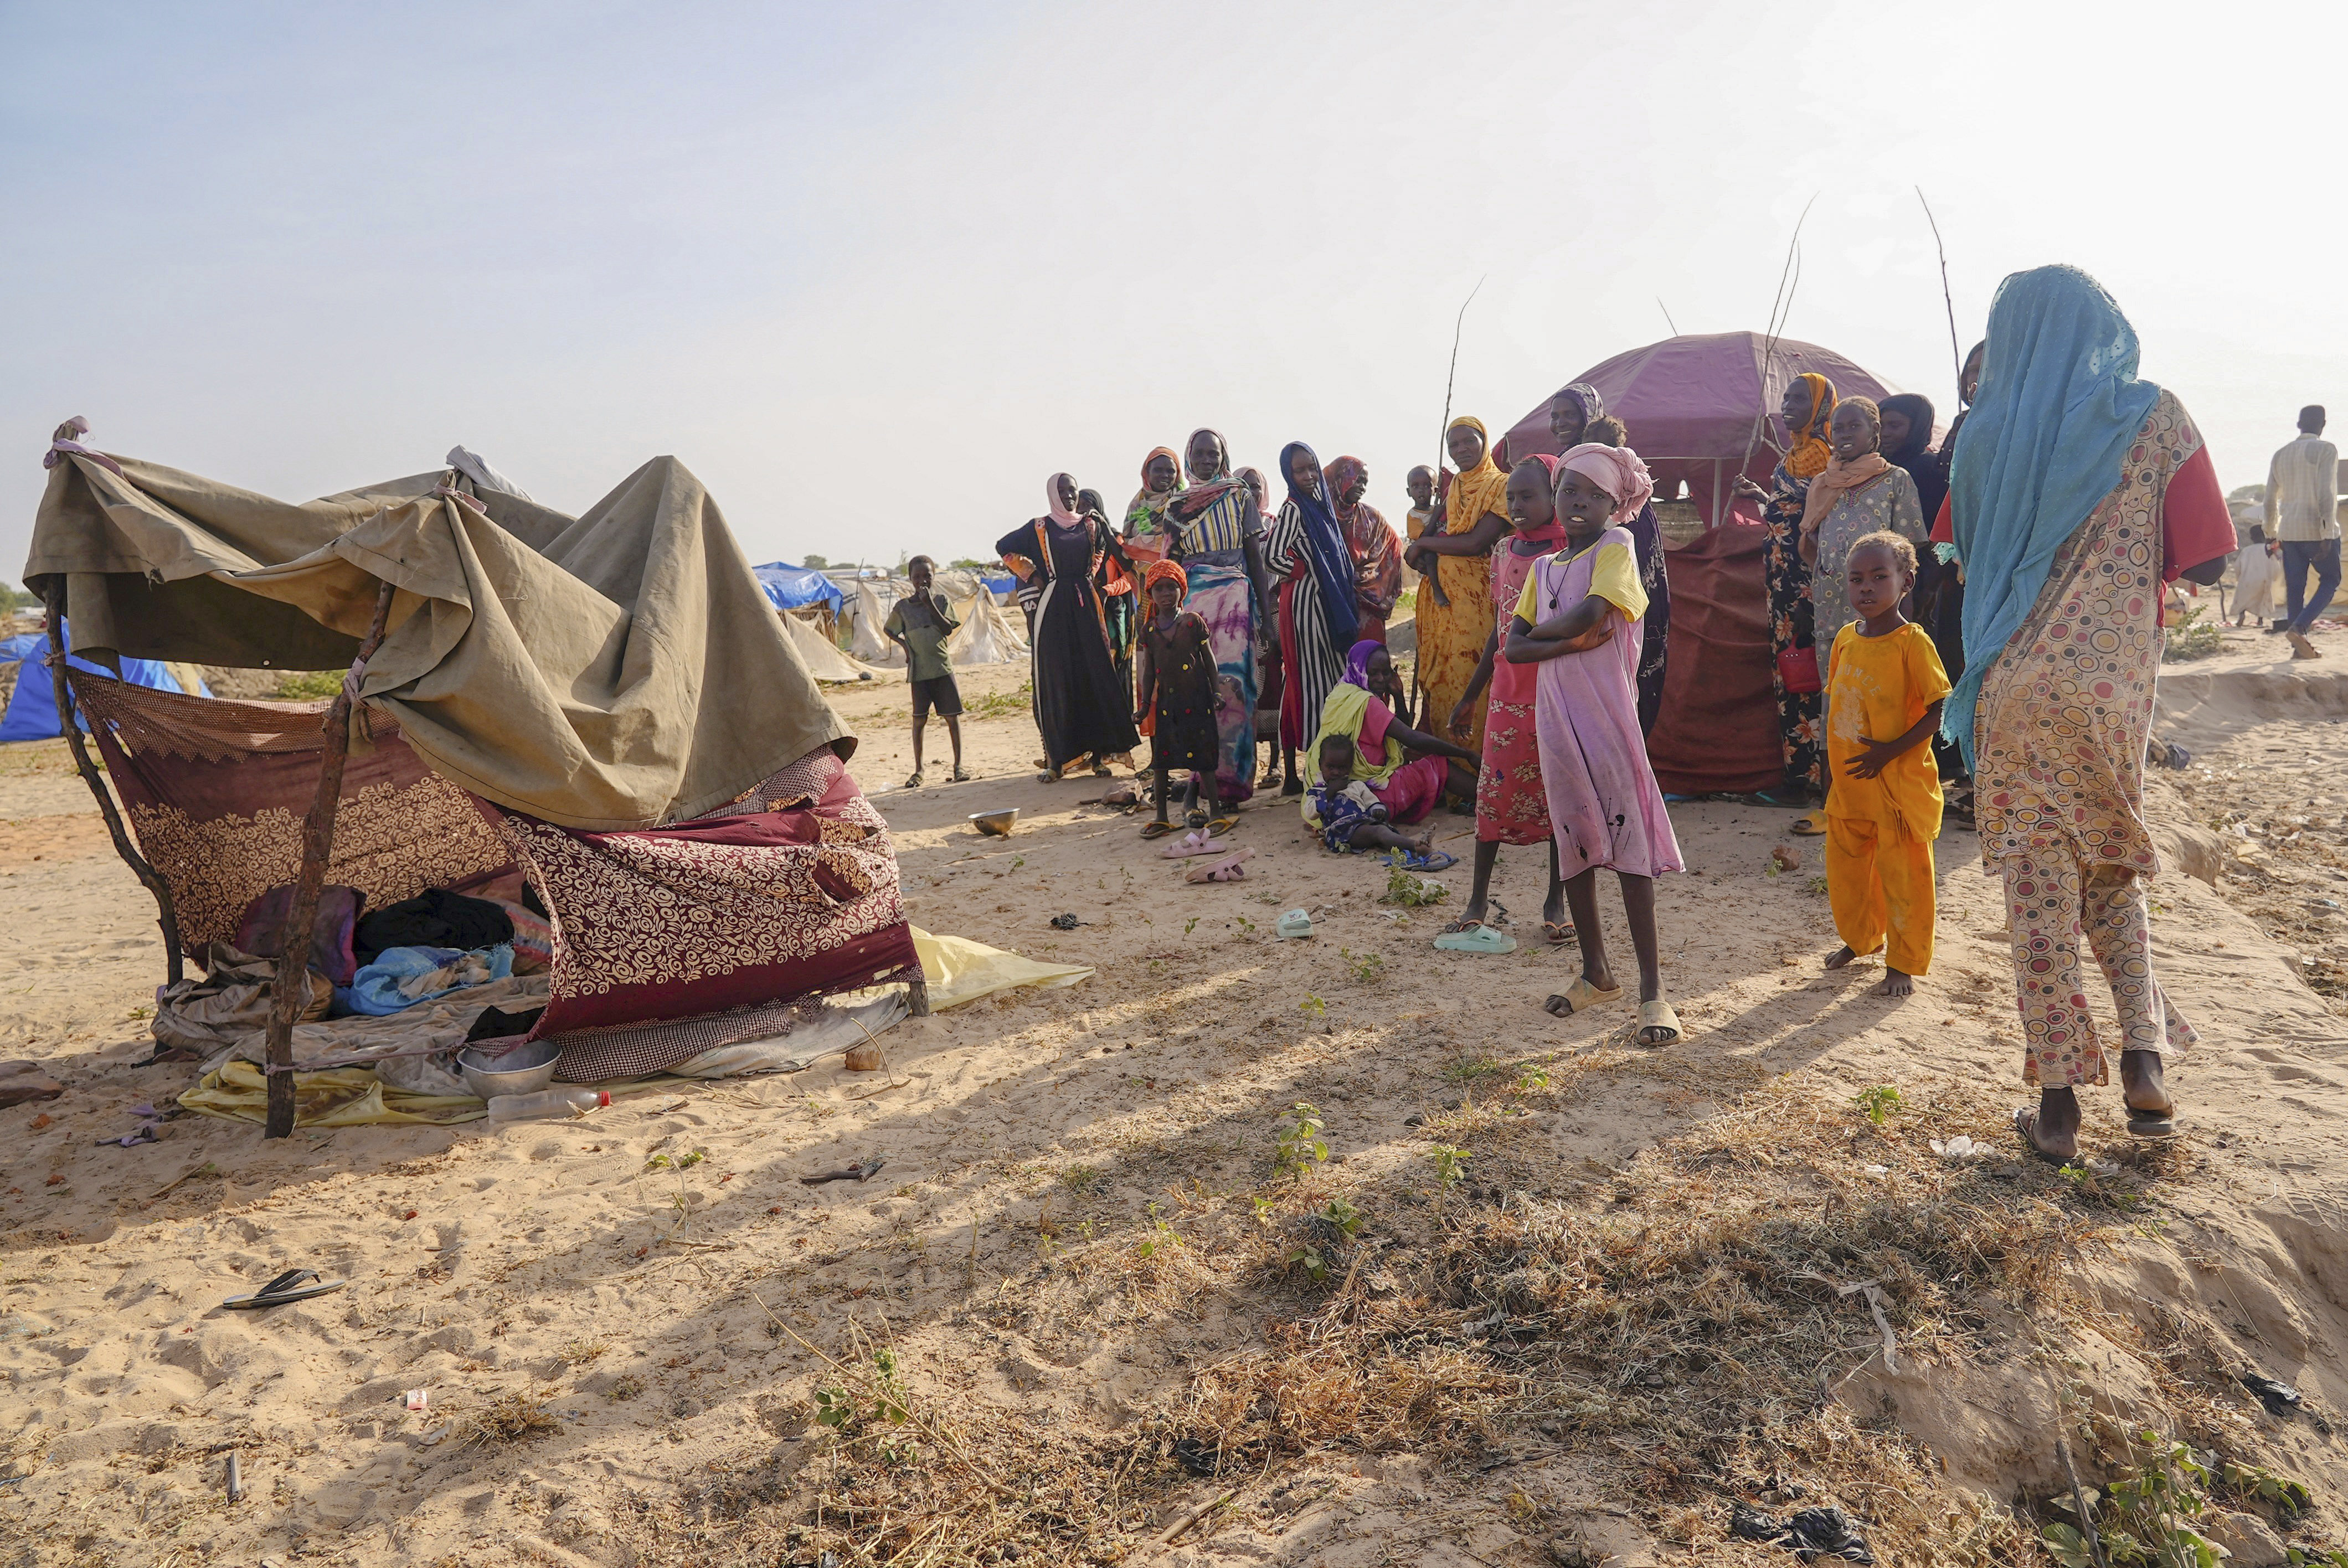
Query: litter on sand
point(293, 1285)
point(863, 1170)
point(1960, 1148)
point(1812, 1535)
point(2280, 1398)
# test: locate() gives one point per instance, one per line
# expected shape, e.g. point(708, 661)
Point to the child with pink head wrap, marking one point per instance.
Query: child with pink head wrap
point(1616, 470)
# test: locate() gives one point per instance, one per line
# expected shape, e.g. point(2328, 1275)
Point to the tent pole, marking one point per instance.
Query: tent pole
point(292, 988)
point(53, 595)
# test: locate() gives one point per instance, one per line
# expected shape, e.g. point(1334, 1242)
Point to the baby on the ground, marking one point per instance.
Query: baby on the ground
point(1351, 816)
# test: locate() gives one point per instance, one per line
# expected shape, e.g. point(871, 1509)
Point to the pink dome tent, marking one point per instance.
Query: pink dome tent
point(1692, 406)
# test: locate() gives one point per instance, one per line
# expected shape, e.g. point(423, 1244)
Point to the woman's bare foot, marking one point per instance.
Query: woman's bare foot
point(1895, 984)
point(2143, 1088)
point(1424, 843)
point(1842, 958)
point(2053, 1130)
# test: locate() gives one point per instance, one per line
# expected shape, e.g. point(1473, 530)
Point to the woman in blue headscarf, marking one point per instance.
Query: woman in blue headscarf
point(2078, 494)
point(1304, 551)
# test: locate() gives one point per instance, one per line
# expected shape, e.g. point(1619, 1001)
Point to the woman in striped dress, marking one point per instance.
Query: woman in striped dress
point(1307, 555)
point(1212, 529)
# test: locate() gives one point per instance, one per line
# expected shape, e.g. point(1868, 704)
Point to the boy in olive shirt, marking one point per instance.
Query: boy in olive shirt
point(920, 624)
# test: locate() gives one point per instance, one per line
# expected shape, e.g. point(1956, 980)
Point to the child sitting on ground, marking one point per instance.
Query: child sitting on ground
point(1883, 679)
point(1351, 816)
point(920, 624)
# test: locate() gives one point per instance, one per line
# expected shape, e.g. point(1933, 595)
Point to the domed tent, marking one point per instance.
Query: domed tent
point(603, 707)
point(1701, 410)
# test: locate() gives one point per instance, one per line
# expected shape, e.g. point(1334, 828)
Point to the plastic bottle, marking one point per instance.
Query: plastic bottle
point(547, 1103)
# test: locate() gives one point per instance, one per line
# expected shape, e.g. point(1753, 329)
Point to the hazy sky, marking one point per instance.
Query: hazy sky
point(874, 271)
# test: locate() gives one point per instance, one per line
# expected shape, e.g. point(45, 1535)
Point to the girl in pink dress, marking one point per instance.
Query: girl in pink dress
point(1579, 622)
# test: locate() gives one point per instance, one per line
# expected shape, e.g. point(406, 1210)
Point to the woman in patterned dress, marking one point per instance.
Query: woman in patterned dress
point(1215, 529)
point(1377, 554)
point(1307, 555)
point(2078, 494)
point(1455, 602)
point(1809, 405)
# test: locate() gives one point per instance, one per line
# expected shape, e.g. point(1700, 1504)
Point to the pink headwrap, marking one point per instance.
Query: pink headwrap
point(1060, 513)
point(1615, 470)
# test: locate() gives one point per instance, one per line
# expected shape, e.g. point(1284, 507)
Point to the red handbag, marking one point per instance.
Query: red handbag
point(1797, 670)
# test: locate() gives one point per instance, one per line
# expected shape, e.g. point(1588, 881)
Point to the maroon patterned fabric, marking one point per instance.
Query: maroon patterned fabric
point(752, 906)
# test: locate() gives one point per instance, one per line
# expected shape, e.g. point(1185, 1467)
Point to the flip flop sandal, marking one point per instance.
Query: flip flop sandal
point(1813, 825)
point(1581, 996)
point(960, 775)
point(1156, 829)
point(288, 1286)
point(1440, 860)
point(2145, 1125)
point(914, 782)
point(1658, 1015)
point(1557, 933)
point(1223, 825)
point(2025, 1123)
point(1476, 939)
point(1195, 819)
point(1195, 843)
point(1228, 869)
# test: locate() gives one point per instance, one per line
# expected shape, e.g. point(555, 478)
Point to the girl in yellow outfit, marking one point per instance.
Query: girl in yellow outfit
point(1883, 679)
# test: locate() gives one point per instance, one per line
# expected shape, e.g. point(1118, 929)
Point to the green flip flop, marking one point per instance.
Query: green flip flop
point(1477, 939)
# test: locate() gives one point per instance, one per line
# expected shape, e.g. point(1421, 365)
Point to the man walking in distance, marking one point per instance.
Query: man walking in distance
point(2303, 498)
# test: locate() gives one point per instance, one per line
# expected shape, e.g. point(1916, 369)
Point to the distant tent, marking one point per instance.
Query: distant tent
point(32, 711)
point(824, 661)
point(1701, 410)
point(792, 587)
point(986, 635)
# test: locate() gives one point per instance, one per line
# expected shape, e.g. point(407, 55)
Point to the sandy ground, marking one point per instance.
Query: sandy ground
point(1067, 1249)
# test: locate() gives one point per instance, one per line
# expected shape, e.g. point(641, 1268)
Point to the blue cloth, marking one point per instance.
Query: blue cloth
point(1333, 562)
point(374, 990)
point(2060, 405)
point(32, 713)
point(792, 587)
point(1340, 817)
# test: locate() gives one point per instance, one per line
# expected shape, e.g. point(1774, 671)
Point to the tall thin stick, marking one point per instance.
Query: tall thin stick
point(1667, 315)
point(1955, 353)
point(1443, 450)
point(1781, 309)
point(292, 988)
point(53, 595)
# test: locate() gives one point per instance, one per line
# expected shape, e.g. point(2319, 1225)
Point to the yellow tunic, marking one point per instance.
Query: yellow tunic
point(1879, 831)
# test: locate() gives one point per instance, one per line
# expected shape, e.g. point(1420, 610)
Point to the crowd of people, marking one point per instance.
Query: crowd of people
point(1984, 613)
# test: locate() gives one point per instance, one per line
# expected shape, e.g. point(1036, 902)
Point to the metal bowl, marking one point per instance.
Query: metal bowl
point(997, 823)
point(524, 1069)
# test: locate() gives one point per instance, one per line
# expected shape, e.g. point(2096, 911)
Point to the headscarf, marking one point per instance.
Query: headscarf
point(1342, 471)
point(1553, 531)
point(1262, 485)
point(1840, 477)
point(1481, 490)
point(1141, 512)
point(1357, 661)
point(1808, 456)
point(1616, 470)
point(1324, 543)
point(1204, 489)
point(1917, 456)
point(1169, 569)
point(1592, 406)
point(1060, 513)
point(2045, 442)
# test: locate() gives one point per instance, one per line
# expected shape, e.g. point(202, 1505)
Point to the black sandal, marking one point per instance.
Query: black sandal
point(286, 1287)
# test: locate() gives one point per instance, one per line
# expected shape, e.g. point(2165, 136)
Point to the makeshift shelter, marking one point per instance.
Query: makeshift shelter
point(988, 635)
point(1701, 410)
point(30, 711)
point(791, 587)
point(606, 705)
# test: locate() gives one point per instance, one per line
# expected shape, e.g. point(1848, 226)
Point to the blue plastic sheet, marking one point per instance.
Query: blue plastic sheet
point(32, 713)
point(792, 587)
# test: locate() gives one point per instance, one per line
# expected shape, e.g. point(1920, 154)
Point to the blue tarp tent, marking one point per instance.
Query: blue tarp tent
point(33, 707)
point(794, 587)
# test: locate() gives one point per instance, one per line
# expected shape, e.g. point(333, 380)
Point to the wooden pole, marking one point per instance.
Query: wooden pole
point(53, 594)
point(293, 986)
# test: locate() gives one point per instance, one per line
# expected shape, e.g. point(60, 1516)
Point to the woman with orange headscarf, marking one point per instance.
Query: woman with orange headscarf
point(1809, 408)
point(1455, 602)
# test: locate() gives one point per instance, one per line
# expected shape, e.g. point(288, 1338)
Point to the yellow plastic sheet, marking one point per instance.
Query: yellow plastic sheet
point(961, 971)
point(338, 1097)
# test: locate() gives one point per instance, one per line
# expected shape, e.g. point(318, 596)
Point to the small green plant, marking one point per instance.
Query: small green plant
point(1313, 1006)
point(2315, 1557)
point(1162, 1237)
point(1189, 925)
point(1450, 1163)
point(1300, 1147)
point(1080, 1178)
point(1017, 861)
point(311, 686)
point(1343, 1218)
point(1263, 1207)
point(1815, 887)
point(1329, 1228)
point(2146, 1518)
point(1246, 925)
point(2289, 1497)
point(626, 1388)
point(2192, 637)
point(1468, 1069)
point(677, 1165)
point(1877, 1103)
point(1531, 1078)
point(1367, 968)
point(1412, 892)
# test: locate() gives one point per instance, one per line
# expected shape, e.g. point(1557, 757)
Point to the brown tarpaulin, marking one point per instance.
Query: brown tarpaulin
point(1717, 733)
point(621, 669)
